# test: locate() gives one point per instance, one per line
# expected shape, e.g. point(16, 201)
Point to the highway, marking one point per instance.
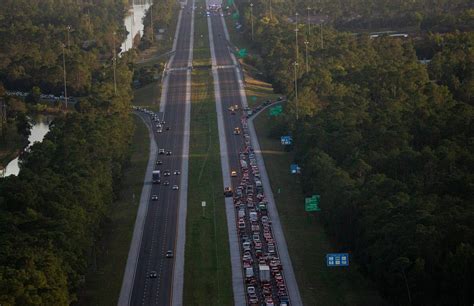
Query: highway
point(231, 92)
point(160, 228)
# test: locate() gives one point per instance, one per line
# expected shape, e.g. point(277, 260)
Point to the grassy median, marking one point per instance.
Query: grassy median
point(104, 281)
point(307, 240)
point(207, 277)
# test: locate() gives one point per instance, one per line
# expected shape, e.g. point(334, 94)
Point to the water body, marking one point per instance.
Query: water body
point(134, 21)
point(39, 129)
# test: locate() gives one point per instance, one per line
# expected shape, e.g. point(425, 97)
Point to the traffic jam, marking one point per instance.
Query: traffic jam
point(262, 269)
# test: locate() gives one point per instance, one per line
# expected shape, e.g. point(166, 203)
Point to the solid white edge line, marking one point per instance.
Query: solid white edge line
point(135, 244)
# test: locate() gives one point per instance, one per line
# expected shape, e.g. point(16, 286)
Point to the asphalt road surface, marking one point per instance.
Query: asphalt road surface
point(159, 233)
point(231, 93)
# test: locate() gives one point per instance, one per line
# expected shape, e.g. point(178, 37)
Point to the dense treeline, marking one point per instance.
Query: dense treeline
point(430, 15)
point(33, 32)
point(51, 214)
point(387, 143)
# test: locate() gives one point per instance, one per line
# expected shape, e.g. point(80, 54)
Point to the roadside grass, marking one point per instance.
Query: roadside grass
point(148, 96)
point(305, 235)
point(207, 277)
point(257, 91)
point(102, 286)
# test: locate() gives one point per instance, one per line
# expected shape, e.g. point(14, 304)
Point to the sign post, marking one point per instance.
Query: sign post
point(203, 204)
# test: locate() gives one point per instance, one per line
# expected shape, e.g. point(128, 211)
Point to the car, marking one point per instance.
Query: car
point(166, 183)
point(168, 128)
point(167, 173)
point(169, 254)
point(237, 131)
point(159, 131)
point(228, 192)
point(168, 153)
point(175, 187)
point(251, 290)
point(152, 274)
point(177, 172)
point(159, 162)
point(161, 151)
point(233, 173)
point(154, 197)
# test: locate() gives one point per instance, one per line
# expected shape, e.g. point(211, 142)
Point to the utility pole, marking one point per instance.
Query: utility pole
point(115, 64)
point(295, 64)
point(307, 58)
point(64, 73)
point(251, 17)
point(296, 35)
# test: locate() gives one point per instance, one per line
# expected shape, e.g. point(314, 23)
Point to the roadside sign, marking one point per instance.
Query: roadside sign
point(286, 140)
point(203, 203)
point(254, 98)
point(337, 260)
point(242, 53)
point(312, 203)
point(276, 110)
point(235, 16)
point(295, 169)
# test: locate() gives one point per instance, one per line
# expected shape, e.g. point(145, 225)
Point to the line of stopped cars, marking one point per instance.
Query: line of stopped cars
point(262, 269)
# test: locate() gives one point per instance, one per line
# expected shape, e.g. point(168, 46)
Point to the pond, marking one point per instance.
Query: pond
point(40, 127)
point(134, 22)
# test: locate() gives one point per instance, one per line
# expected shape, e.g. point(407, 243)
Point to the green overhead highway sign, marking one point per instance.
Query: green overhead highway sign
point(235, 16)
point(276, 110)
point(230, 2)
point(312, 204)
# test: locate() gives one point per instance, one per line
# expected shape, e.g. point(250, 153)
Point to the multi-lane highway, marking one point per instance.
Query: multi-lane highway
point(153, 270)
point(230, 91)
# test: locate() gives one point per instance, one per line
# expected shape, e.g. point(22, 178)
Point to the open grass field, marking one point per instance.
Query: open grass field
point(103, 282)
point(207, 277)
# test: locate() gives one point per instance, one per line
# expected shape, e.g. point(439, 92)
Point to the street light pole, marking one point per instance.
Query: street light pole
point(115, 64)
point(309, 25)
point(295, 64)
point(307, 59)
point(251, 17)
point(296, 35)
point(68, 28)
point(321, 32)
point(271, 15)
point(64, 74)
point(151, 23)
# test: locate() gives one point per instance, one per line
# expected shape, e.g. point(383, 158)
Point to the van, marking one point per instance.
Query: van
point(249, 272)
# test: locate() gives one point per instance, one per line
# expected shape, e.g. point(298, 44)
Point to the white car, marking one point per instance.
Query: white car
point(175, 187)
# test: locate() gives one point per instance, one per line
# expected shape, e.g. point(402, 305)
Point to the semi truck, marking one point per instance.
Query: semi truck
point(156, 177)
